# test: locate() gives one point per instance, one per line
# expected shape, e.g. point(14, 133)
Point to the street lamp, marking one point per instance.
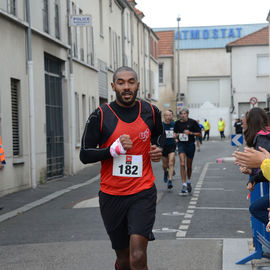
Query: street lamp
point(178, 60)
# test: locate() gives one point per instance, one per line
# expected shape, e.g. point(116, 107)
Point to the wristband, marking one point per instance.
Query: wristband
point(117, 149)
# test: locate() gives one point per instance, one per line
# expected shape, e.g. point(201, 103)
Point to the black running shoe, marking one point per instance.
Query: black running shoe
point(165, 178)
point(170, 185)
point(189, 188)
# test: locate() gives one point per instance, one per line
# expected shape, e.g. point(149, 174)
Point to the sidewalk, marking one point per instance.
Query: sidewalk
point(21, 201)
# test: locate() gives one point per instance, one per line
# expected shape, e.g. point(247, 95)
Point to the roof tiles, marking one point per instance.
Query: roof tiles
point(166, 43)
point(260, 37)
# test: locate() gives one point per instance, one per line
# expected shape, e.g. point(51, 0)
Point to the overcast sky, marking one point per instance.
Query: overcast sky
point(163, 13)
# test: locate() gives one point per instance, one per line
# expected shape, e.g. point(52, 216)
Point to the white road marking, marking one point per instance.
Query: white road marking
point(180, 234)
point(186, 221)
point(90, 203)
point(173, 214)
point(183, 227)
point(221, 208)
point(45, 199)
point(192, 205)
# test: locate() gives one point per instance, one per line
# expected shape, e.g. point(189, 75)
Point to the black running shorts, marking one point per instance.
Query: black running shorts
point(167, 149)
point(127, 215)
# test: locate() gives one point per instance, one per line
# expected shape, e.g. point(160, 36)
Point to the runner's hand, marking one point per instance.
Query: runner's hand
point(245, 170)
point(155, 153)
point(121, 145)
point(250, 186)
point(126, 141)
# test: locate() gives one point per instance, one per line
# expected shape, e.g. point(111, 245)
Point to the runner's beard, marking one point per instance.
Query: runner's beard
point(122, 101)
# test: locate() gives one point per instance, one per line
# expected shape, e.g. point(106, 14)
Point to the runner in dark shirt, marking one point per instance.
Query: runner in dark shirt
point(168, 153)
point(185, 131)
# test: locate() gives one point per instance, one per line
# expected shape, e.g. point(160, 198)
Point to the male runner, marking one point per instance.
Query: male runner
point(128, 133)
point(185, 129)
point(168, 153)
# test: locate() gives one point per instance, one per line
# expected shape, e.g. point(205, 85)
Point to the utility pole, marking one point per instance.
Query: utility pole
point(178, 62)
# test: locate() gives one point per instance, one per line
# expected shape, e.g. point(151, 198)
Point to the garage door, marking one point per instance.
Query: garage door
point(200, 91)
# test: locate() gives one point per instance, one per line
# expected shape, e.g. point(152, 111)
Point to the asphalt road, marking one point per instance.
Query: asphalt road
point(209, 229)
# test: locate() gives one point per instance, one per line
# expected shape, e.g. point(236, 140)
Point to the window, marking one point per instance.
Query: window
point(100, 18)
point(128, 23)
point(110, 47)
point(77, 117)
point(92, 104)
point(12, 7)
point(90, 42)
point(46, 16)
point(57, 19)
point(82, 33)
point(263, 65)
point(160, 73)
point(84, 109)
point(15, 109)
point(75, 34)
point(110, 5)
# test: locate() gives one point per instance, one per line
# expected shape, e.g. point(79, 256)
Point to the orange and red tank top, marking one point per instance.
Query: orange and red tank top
point(130, 173)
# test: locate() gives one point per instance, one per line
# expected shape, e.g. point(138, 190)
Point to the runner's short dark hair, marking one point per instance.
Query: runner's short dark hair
point(124, 68)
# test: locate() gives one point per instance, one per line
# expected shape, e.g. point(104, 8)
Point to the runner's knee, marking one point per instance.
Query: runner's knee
point(138, 259)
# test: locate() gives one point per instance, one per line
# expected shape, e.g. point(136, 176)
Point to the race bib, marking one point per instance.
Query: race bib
point(183, 137)
point(128, 166)
point(169, 133)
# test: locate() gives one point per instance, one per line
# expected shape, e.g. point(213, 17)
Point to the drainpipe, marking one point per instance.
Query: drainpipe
point(144, 73)
point(138, 51)
point(149, 56)
point(232, 100)
point(72, 97)
point(31, 98)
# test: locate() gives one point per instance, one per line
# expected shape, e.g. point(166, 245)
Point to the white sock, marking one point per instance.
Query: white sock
point(185, 184)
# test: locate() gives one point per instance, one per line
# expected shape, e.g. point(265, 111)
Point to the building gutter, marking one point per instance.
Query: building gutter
point(72, 95)
point(31, 97)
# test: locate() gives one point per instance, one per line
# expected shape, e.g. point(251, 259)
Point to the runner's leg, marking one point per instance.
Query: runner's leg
point(182, 157)
point(171, 159)
point(189, 167)
point(122, 261)
point(138, 256)
point(165, 166)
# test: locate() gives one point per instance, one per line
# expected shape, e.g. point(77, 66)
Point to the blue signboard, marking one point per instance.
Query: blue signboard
point(237, 139)
point(202, 37)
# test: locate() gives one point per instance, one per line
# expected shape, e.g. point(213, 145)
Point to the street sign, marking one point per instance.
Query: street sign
point(79, 20)
point(179, 106)
point(237, 139)
point(253, 101)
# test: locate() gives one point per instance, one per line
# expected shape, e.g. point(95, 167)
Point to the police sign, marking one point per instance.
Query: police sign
point(79, 20)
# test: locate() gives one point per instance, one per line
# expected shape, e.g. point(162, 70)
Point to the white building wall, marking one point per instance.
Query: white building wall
point(202, 63)
point(166, 89)
point(246, 82)
point(15, 174)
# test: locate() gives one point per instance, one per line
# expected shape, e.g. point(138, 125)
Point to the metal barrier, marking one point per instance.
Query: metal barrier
point(261, 238)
